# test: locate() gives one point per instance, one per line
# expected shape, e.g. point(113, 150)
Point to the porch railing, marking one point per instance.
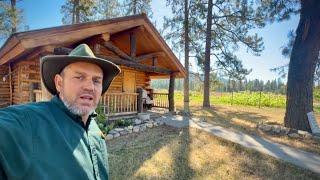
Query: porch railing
point(119, 103)
point(160, 100)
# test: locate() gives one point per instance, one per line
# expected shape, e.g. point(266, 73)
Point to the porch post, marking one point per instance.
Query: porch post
point(171, 92)
point(140, 103)
point(10, 84)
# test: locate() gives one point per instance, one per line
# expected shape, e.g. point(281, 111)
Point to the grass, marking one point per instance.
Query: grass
point(245, 98)
point(263, 99)
point(245, 119)
point(168, 153)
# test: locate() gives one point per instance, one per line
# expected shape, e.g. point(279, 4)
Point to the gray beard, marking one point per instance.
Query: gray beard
point(75, 110)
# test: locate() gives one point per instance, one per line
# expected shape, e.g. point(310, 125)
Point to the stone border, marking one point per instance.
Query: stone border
point(139, 126)
point(284, 131)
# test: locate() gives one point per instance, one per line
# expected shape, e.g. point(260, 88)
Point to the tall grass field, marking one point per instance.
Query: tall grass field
point(247, 98)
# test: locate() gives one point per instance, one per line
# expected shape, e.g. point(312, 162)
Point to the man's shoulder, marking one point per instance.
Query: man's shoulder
point(22, 109)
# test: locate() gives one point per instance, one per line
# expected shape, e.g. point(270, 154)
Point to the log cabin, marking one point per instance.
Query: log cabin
point(131, 42)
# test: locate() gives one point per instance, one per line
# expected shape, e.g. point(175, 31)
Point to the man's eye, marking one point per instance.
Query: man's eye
point(78, 77)
point(97, 81)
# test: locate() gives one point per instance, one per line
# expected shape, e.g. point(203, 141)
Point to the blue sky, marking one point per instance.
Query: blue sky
point(44, 13)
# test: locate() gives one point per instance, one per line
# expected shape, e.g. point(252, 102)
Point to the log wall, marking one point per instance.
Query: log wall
point(142, 80)
point(26, 76)
point(26, 73)
point(4, 86)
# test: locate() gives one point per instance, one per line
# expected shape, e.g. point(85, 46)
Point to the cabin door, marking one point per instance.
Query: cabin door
point(129, 82)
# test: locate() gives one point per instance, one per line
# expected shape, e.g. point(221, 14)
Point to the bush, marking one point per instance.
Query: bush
point(122, 123)
point(108, 128)
point(101, 117)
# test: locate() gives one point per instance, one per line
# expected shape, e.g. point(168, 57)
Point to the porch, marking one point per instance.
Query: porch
point(115, 105)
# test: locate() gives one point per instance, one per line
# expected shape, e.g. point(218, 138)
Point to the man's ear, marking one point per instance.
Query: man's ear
point(58, 82)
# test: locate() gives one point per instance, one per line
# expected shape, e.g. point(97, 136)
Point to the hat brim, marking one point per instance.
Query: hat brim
point(54, 64)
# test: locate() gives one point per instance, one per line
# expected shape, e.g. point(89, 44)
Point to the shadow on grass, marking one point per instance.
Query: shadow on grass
point(181, 166)
point(290, 155)
point(251, 163)
point(194, 154)
point(130, 156)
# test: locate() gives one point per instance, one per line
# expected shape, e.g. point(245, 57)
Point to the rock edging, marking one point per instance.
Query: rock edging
point(139, 125)
point(284, 131)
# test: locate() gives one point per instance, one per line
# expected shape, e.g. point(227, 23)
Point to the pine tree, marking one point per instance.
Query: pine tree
point(182, 31)
point(78, 11)
point(107, 9)
point(132, 7)
point(10, 18)
point(231, 22)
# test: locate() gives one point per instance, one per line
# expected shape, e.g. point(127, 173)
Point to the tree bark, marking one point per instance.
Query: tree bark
point(76, 12)
point(302, 65)
point(186, 57)
point(206, 85)
point(171, 92)
point(15, 16)
point(134, 7)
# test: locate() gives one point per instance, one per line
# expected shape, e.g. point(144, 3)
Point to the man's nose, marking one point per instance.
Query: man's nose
point(88, 85)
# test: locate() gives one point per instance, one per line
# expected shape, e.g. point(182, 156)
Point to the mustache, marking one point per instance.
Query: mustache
point(86, 93)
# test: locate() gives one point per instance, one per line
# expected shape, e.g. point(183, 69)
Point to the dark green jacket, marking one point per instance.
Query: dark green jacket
point(46, 141)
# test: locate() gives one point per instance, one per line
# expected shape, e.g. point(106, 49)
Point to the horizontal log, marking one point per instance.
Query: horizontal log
point(149, 56)
point(136, 65)
point(110, 46)
point(119, 61)
point(61, 51)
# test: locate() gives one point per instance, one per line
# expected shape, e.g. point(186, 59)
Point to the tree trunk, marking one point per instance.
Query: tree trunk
point(77, 12)
point(302, 65)
point(73, 14)
point(171, 92)
point(186, 57)
point(134, 7)
point(15, 16)
point(206, 85)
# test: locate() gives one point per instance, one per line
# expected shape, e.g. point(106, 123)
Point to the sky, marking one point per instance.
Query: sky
point(46, 13)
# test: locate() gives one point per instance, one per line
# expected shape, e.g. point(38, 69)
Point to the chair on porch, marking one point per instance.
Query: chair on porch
point(146, 100)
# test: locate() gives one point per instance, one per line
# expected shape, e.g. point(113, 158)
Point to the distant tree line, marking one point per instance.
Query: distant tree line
point(222, 84)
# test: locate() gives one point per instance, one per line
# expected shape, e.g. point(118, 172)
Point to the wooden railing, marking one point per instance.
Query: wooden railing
point(113, 104)
point(119, 103)
point(161, 100)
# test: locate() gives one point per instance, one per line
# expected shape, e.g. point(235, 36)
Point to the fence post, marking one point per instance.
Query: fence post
point(232, 97)
point(260, 100)
point(140, 103)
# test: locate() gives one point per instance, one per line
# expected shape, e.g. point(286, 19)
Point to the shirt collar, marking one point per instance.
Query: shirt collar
point(56, 100)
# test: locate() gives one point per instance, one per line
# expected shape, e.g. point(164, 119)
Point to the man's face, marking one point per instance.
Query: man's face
point(80, 86)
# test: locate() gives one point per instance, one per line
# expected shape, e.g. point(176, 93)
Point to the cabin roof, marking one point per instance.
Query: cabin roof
point(148, 40)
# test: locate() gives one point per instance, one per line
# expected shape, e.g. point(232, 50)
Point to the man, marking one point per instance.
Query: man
point(59, 139)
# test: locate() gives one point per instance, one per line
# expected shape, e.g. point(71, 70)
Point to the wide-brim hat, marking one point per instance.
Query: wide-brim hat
point(54, 64)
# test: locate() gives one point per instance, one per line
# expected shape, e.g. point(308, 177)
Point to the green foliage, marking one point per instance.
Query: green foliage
point(107, 9)
point(108, 128)
point(77, 11)
point(316, 94)
point(123, 123)
point(132, 7)
point(101, 117)
point(254, 99)
point(240, 98)
point(10, 18)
